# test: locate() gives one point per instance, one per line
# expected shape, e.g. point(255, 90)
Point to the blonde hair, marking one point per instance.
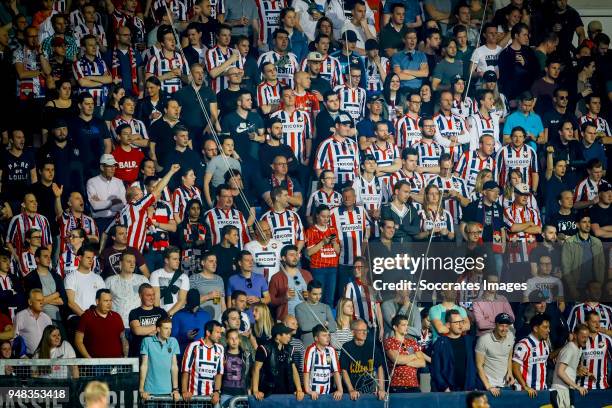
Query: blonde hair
point(509, 188)
point(264, 324)
point(96, 391)
point(479, 183)
point(340, 311)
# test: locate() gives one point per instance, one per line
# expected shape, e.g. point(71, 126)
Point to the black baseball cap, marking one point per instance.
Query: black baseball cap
point(344, 119)
point(489, 76)
point(504, 318)
point(349, 36)
point(371, 44)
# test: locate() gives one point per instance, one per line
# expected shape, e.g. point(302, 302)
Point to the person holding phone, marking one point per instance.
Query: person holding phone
point(323, 248)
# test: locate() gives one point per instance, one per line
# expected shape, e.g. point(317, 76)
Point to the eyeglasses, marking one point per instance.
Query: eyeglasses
point(249, 283)
point(474, 232)
point(562, 97)
point(456, 321)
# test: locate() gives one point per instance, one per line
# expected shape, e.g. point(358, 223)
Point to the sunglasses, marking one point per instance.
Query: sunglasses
point(249, 283)
point(296, 280)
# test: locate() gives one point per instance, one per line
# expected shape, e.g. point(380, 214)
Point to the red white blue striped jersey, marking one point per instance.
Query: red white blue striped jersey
point(27, 263)
point(181, 196)
point(159, 65)
point(507, 200)
point(318, 197)
point(266, 257)
point(165, 195)
point(352, 101)
point(407, 131)
point(601, 124)
point(84, 67)
point(59, 6)
point(321, 366)
point(269, 21)
point(531, 355)
point(384, 157)
point(215, 57)
point(203, 364)
point(415, 180)
point(340, 157)
point(587, 190)
point(297, 128)
point(579, 311)
point(352, 226)
point(158, 239)
point(524, 158)
point(465, 108)
point(447, 127)
point(136, 218)
point(331, 70)
point(218, 218)
point(286, 65)
point(521, 243)
point(268, 94)
point(22, 223)
point(452, 183)
point(135, 23)
point(429, 152)
point(374, 83)
point(430, 220)
point(286, 226)
point(82, 30)
point(470, 164)
point(178, 9)
point(217, 7)
point(67, 222)
point(595, 356)
point(69, 262)
point(138, 128)
point(480, 126)
point(369, 194)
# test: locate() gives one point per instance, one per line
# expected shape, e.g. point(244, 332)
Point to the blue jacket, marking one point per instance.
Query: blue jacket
point(442, 366)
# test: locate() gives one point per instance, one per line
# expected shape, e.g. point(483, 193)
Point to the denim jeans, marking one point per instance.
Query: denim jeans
point(327, 277)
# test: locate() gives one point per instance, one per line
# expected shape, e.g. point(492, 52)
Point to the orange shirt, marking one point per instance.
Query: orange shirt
point(327, 256)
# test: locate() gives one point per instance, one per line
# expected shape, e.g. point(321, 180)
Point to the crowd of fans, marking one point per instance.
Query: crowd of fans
point(197, 184)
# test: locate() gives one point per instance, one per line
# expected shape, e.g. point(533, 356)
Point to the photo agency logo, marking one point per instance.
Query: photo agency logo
point(471, 272)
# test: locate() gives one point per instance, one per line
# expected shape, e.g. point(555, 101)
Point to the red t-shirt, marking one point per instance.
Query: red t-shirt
point(4, 321)
point(403, 375)
point(102, 334)
point(326, 257)
point(128, 164)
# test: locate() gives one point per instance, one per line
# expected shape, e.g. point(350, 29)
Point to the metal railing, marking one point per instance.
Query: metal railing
point(201, 402)
point(68, 367)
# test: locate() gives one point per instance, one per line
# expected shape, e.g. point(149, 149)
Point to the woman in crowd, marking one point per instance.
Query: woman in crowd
point(187, 191)
point(482, 177)
point(53, 346)
point(393, 108)
point(60, 107)
point(151, 107)
point(111, 109)
point(344, 317)
point(435, 220)
point(262, 329)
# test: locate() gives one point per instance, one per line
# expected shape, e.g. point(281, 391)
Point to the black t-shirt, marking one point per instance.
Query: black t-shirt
point(566, 224)
point(209, 31)
point(554, 253)
point(227, 101)
point(145, 318)
point(234, 381)
point(161, 134)
point(459, 354)
point(361, 365)
point(267, 154)
point(46, 204)
point(552, 120)
point(240, 128)
point(16, 173)
point(569, 21)
point(225, 260)
point(601, 216)
point(110, 260)
point(88, 137)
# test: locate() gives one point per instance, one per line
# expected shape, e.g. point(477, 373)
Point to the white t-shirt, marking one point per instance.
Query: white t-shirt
point(125, 294)
point(85, 286)
point(570, 355)
point(486, 58)
point(160, 278)
point(550, 286)
point(65, 350)
point(266, 257)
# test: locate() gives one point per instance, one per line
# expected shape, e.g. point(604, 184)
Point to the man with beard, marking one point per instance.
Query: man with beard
point(58, 150)
point(494, 355)
point(274, 147)
point(429, 151)
point(109, 258)
point(530, 356)
point(266, 250)
point(73, 217)
point(287, 287)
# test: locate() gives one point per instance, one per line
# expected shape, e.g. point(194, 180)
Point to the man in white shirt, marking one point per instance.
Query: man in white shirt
point(265, 250)
point(484, 57)
point(568, 368)
point(124, 287)
point(81, 286)
point(31, 322)
point(105, 193)
point(169, 283)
